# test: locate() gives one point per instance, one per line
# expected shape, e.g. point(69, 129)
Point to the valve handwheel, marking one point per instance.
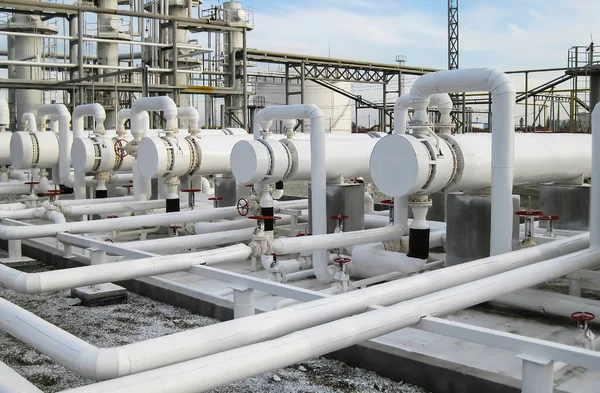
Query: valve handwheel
point(529, 213)
point(339, 217)
point(108, 240)
point(583, 316)
point(387, 202)
point(342, 260)
point(119, 148)
point(243, 207)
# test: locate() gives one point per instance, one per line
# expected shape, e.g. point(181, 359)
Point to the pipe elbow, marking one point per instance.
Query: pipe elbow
point(102, 364)
point(498, 82)
point(29, 283)
point(313, 111)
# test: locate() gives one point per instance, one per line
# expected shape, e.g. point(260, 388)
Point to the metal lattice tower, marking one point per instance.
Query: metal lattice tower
point(452, 34)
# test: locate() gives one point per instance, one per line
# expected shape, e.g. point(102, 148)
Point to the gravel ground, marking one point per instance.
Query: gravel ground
point(141, 318)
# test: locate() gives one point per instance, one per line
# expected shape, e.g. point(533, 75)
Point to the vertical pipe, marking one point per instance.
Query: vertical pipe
point(80, 34)
point(302, 76)
point(595, 196)
point(245, 80)
point(383, 127)
point(526, 101)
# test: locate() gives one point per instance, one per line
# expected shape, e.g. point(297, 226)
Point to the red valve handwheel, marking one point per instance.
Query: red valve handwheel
point(215, 199)
point(339, 217)
point(243, 207)
point(119, 148)
point(108, 240)
point(529, 213)
point(32, 182)
point(387, 202)
point(583, 316)
point(342, 260)
point(191, 190)
point(175, 227)
point(549, 218)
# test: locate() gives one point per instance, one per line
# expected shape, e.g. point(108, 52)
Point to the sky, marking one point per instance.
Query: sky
point(504, 34)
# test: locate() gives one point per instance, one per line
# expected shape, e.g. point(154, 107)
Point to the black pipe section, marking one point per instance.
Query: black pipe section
point(172, 205)
point(279, 185)
point(418, 243)
point(270, 222)
point(65, 189)
point(101, 194)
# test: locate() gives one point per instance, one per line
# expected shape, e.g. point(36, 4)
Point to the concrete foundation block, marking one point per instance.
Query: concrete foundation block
point(570, 202)
point(468, 227)
point(100, 295)
point(344, 199)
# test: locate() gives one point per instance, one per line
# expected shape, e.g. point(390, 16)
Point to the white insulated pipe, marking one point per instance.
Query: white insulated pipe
point(4, 112)
point(318, 170)
point(125, 223)
point(60, 118)
point(192, 115)
point(192, 241)
point(112, 207)
point(99, 115)
point(146, 355)
point(595, 192)
point(292, 245)
point(373, 259)
point(56, 280)
point(203, 374)
point(29, 119)
point(13, 382)
point(502, 90)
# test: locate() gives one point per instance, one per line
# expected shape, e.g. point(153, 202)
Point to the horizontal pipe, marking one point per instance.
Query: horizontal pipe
point(195, 343)
point(193, 241)
point(114, 207)
point(56, 280)
point(206, 373)
point(12, 382)
point(292, 245)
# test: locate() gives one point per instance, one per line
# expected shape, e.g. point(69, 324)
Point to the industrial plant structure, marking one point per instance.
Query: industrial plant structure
point(142, 144)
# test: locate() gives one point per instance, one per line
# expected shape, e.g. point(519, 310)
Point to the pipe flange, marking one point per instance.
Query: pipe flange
point(173, 181)
point(420, 202)
point(102, 176)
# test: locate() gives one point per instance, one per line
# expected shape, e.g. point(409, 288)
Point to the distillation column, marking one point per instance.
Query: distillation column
point(233, 42)
point(25, 48)
point(109, 27)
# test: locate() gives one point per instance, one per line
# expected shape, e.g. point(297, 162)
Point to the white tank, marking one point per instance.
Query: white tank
point(336, 108)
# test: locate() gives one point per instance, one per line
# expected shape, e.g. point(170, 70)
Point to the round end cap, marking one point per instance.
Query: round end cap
point(152, 157)
point(399, 165)
point(21, 148)
point(250, 161)
point(82, 155)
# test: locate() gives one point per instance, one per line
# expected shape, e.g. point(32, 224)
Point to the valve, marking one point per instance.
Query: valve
point(260, 220)
point(175, 230)
point(120, 148)
point(191, 196)
point(52, 194)
point(339, 224)
point(585, 337)
point(530, 216)
point(550, 226)
point(390, 204)
point(128, 187)
point(243, 207)
point(215, 201)
point(31, 185)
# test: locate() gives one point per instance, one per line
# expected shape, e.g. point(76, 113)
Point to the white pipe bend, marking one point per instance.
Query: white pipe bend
point(192, 115)
point(503, 130)
point(60, 116)
point(29, 119)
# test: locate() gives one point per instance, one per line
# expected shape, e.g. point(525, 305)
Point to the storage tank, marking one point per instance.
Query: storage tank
point(336, 107)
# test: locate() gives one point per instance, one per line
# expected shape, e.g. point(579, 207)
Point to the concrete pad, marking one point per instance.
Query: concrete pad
point(100, 295)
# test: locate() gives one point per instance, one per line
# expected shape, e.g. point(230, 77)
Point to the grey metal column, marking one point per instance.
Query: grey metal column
point(526, 101)
point(302, 75)
point(244, 81)
point(383, 127)
point(80, 34)
point(594, 88)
